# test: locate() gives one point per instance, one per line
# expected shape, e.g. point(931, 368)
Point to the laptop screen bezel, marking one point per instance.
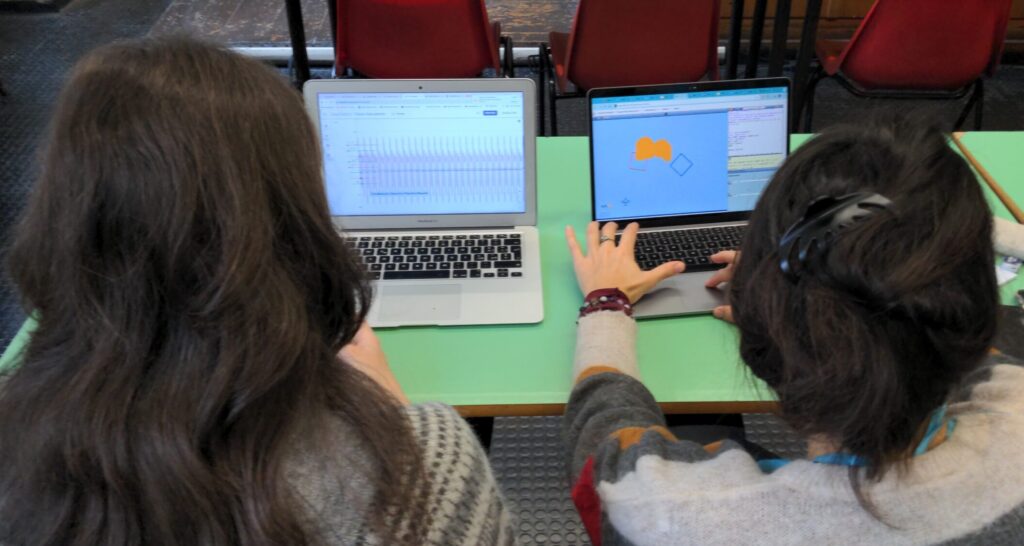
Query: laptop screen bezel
point(726, 85)
point(314, 88)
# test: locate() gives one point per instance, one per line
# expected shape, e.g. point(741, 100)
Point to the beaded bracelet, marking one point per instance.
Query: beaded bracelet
point(606, 299)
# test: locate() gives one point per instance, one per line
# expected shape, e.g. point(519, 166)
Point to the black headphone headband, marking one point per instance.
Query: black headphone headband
point(824, 219)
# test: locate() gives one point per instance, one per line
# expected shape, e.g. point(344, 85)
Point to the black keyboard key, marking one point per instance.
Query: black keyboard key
point(417, 267)
point(444, 265)
point(472, 265)
point(488, 275)
point(390, 267)
point(403, 267)
point(485, 265)
point(460, 274)
point(507, 264)
point(422, 250)
point(403, 275)
point(431, 266)
point(375, 276)
point(376, 267)
point(459, 265)
point(503, 272)
point(474, 273)
point(517, 273)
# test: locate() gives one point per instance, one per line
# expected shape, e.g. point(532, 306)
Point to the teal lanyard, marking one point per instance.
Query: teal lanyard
point(935, 424)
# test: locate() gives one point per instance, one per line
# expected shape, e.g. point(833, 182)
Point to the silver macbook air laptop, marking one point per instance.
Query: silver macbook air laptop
point(434, 182)
point(688, 163)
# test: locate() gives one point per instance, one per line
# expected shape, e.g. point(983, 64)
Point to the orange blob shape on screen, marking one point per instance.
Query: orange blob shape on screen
point(646, 148)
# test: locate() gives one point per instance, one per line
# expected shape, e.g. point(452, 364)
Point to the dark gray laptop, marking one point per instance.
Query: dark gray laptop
point(688, 163)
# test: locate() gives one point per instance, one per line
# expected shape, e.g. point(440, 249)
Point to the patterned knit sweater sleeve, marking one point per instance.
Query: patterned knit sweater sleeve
point(464, 506)
point(635, 483)
point(459, 494)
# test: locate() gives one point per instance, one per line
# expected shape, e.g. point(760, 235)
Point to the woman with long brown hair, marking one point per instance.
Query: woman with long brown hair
point(184, 384)
point(865, 298)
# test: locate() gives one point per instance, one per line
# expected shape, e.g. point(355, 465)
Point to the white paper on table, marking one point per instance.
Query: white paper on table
point(1003, 276)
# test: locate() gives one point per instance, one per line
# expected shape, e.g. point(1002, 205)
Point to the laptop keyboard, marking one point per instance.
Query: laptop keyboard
point(692, 246)
point(462, 256)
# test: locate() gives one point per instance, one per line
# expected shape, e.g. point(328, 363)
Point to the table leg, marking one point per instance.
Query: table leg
point(293, 10)
point(756, 35)
point(779, 35)
point(732, 51)
point(803, 61)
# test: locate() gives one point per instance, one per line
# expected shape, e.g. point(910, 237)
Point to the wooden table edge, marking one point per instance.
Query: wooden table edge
point(537, 410)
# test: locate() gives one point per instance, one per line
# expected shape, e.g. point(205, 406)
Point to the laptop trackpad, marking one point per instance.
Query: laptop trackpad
point(424, 303)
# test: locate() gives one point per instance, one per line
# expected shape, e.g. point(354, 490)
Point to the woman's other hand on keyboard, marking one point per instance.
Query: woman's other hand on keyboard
point(723, 275)
point(610, 265)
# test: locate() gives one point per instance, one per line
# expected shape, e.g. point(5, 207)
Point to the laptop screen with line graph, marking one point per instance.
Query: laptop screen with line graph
point(689, 153)
point(408, 153)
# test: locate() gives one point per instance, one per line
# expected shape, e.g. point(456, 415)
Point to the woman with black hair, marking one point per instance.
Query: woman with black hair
point(201, 373)
point(865, 298)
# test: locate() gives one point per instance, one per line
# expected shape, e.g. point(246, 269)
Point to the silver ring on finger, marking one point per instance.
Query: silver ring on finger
point(605, 239)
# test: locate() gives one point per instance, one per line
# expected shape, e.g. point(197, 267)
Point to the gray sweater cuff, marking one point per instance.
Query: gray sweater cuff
point(606, 338)
point(1008, 238)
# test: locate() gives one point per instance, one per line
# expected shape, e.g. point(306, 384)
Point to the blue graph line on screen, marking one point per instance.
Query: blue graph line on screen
point(483, 172)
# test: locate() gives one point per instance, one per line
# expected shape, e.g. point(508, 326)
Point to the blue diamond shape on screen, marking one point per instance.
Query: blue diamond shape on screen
point(681, 164)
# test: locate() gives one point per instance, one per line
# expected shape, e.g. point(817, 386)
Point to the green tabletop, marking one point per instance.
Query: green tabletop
point(1001, 155)
point(689, 363)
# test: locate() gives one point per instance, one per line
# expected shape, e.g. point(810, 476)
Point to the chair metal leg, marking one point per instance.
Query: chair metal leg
point(756, 35)
point(976, 100)
point(979, 107)
point(542, 60)
point(803, 57)
point(779, 36)
point(510, 68)
point(554, 107)
point(808, 106)
point(732, 51)
point(296, 30)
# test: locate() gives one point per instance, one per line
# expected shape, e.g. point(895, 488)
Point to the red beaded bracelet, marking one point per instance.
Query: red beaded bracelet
point(606, 299)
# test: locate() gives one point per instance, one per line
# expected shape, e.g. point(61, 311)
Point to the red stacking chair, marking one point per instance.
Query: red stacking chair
point(920, 49)
point(418, 39)
point(632, 42)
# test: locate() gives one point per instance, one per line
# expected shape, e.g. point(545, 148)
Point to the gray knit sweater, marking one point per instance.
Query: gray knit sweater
point(635, 483)
point(464, 506)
